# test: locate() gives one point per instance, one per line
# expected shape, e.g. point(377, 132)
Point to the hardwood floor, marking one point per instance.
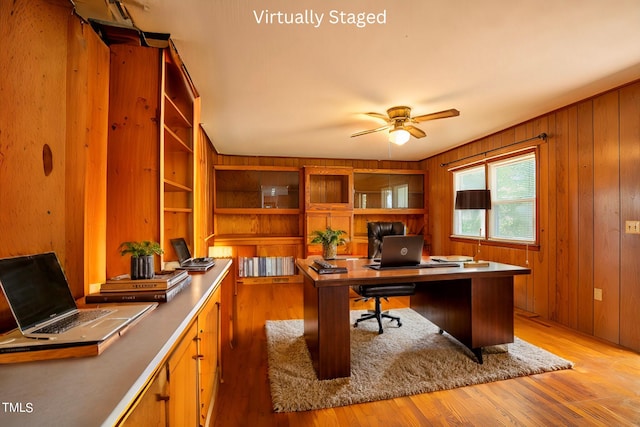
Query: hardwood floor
point(603, 389)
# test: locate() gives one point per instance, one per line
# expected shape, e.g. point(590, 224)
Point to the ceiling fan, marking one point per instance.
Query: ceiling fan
point(399, 123)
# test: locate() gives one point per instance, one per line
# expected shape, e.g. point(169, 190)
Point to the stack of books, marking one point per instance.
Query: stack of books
point(163, 287)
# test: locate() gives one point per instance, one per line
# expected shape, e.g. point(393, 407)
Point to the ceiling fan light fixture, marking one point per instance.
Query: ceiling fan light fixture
point(399, 136)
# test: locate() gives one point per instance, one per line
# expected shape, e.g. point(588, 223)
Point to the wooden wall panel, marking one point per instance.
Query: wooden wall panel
point(33, 69)
point(133, 147)
point(544, 259)
point(221, 159)
point(585, 216)
point(86, 172)
point(607, 215)
point(52, 139)
point(630, 210)
point(589, 184)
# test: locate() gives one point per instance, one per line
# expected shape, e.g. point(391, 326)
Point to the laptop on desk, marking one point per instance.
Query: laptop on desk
point(404, 252)
point(43, 306)
point(186, 261)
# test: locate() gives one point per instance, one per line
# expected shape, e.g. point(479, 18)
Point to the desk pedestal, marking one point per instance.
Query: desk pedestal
point(477, 312)
point(327, 329)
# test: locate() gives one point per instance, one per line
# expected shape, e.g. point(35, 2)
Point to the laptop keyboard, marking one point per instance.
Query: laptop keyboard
point(72, 321)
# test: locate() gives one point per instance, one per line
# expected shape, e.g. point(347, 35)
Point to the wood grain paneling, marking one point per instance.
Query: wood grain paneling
point(52, 139)
point(588, 186)
point(585, 216)
point(607, 215)
point(630, 210)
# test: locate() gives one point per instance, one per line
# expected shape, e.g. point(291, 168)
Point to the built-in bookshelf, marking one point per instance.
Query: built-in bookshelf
point(258, 216)
point(266, 266)
point(262, 213)
point(328, 203)
point(153, 107)
point(388, 195)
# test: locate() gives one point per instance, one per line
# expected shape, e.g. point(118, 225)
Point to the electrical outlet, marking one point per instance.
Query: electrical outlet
point(632, 227)
point(597, 294)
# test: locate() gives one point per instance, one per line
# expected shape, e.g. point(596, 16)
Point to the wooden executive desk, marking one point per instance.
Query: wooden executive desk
point(474, 305)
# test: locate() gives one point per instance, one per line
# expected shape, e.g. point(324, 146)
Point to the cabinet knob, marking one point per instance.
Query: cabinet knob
point(199, 356)
point(162, 398)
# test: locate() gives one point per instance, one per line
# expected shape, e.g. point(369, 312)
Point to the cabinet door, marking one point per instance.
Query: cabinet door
point(183, 382)
point(335, 220)
point(209, 353)
point(151, 409)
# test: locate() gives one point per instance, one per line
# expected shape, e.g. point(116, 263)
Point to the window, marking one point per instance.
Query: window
point(512, 217)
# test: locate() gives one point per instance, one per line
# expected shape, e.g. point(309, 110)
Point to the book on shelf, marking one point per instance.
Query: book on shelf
point(160, 281)
point(266, 266)
point(161, 295)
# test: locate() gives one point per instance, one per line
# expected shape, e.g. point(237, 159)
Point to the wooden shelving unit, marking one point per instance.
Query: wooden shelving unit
point(258, 213)
point(388, 195)
point(153, 116)
point(328, 203)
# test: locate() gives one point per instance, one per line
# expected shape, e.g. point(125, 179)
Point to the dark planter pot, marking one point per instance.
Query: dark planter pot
point(142, 267)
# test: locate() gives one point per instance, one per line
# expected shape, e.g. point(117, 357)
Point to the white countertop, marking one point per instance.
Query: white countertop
point(95, 391)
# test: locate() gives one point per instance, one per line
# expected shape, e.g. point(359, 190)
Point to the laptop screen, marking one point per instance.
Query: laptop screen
point(401, 250)
point(181, 248)
point(36, 288)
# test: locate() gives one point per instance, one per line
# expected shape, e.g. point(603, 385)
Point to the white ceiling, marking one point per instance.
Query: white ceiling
point(296, 90)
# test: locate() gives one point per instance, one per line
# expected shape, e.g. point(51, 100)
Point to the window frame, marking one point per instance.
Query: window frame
point(486, 237)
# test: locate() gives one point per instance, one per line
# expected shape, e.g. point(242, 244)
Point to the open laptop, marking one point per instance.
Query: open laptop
point(41, 301)
point(404, 252)
point(185, 259)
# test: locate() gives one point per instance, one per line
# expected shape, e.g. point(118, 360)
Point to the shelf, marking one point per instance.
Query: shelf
point(400, 211)
point(259, 188)
point(173, 117)
point(230, 240)
point(179, 210)
point(257, 211)
point(173, 142)
point(171, 186)
point(270, 279)
point(388, 189)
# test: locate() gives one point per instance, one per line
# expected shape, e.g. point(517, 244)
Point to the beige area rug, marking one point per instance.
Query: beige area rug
point(402, 361)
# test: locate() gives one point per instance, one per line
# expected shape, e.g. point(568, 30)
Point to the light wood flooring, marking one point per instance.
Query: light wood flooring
point(603, 389)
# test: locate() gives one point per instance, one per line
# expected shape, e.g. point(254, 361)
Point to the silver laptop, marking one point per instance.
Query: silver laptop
point(185, 259)
point(41, 301)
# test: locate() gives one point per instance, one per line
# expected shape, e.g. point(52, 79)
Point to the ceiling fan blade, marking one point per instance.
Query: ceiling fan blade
point(433, 116)
point(364, 132)
point(415, 132)
point(378, 116)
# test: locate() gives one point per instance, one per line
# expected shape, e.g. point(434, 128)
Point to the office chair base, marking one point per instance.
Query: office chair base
point(378, 315)
point(375, 316)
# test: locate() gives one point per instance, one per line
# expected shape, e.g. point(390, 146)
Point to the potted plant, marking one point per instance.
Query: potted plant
point(141, 257)
point(330, 239)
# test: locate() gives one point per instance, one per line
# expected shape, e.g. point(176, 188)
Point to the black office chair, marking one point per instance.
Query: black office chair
point(375, 232)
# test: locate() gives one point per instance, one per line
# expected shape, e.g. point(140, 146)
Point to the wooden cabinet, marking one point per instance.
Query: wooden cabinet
point(183, 390)
point(257, 214)
point(209, 356)
point(388, 195)
point(151, 163)
point(183, 393)
point(328, 203)
point(337, 220)
point(328, 188)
